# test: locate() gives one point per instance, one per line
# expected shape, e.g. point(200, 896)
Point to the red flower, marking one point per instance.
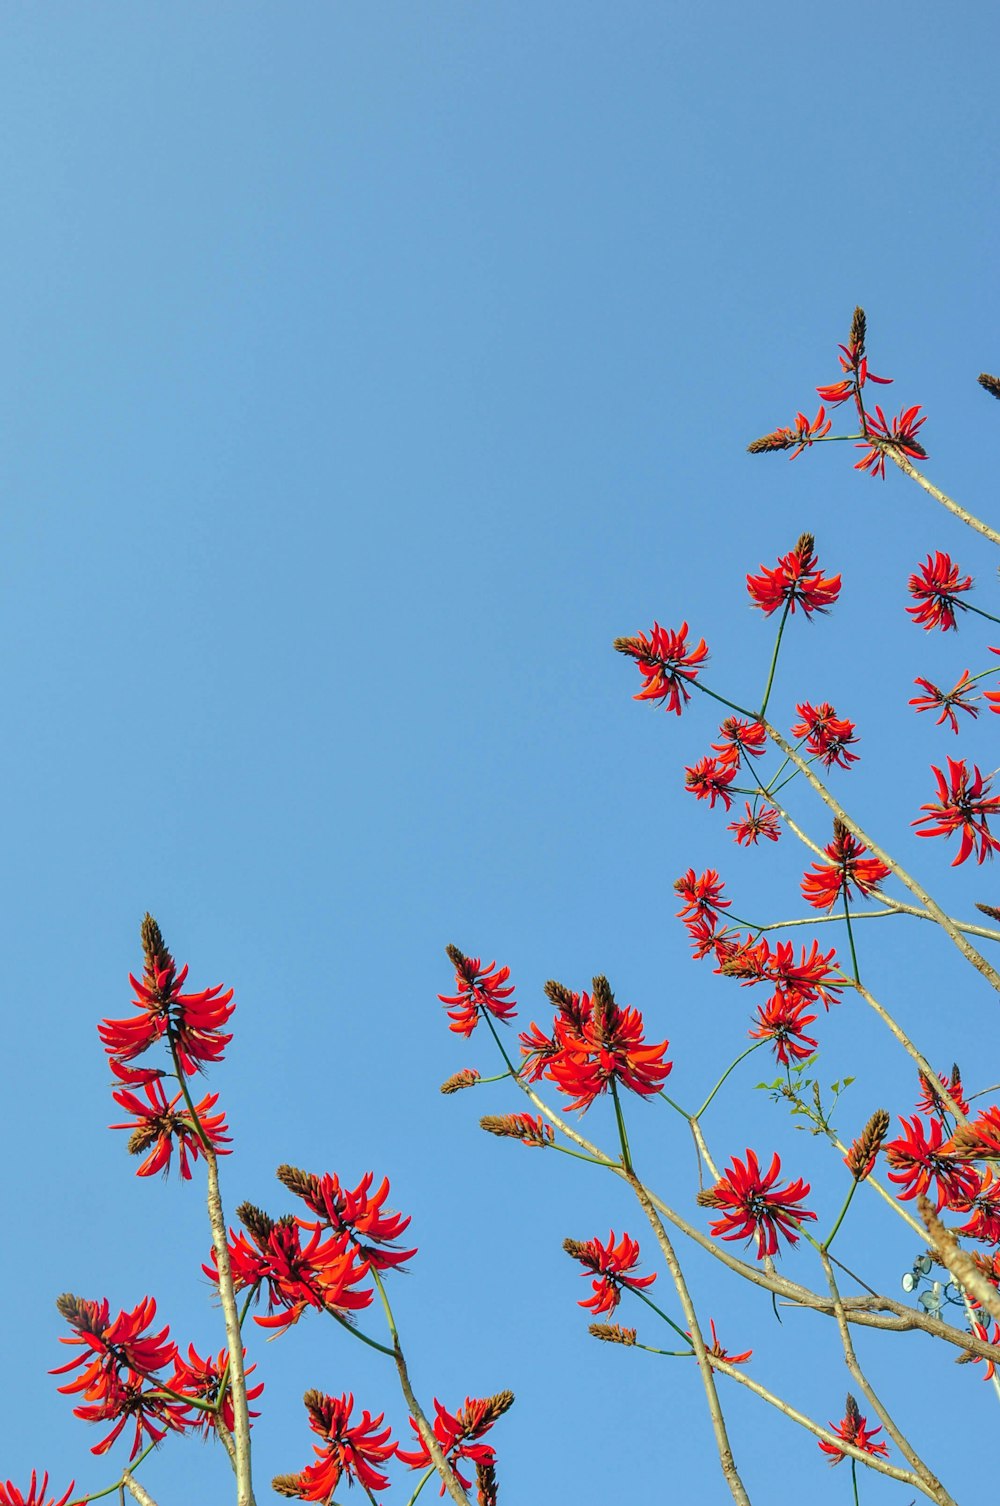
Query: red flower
point(853, 1429)
point(716, 1350)
point(964, 806)
point(709, 780)
point(702, 895)
point(11, 1496)
point(812, 980)
point(665, 664)
point(348, 1450)
point(984, 1208)
point(118, 1356)
point(597, 1043)
point(930, 1100)
point(945, 702)
point(798, 439)
point(201, 1379)
point(610, 1263)
point(935, 587)
point(372, 1228)
point(757, 1206)
point(192, 1022)
point(978, 1141)
point(827, 735)
point(319, 1274)
point(757, 824)
point(921, 1158)
point(900, 435)
point(993, 696)
point(854, 363)
point(738, 737)
point(479, 988)
point(797, 580)
point(158, 1124)
point(827, 881)
point(782, 1022)
point(707, 936)
point(981, 1331)
point(457, 1431)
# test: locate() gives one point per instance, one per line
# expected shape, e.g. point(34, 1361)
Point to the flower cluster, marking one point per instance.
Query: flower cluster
point(11, 1496)
point(594, 1045)
point(458, 1434)
point(755, 1206)
point(853, 1429)
point(796, 581)
point(828, 737)
point(351, 1450)
point(666, 664)
point(846, 870)
point(480, 989)
point(610, 1265)
point(964, 804)
point(936, 587)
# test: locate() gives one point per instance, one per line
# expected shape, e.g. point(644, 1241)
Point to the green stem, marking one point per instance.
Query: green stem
point(854, 1480)
point(774, 659)
point(420, 1485)
point(110, 1489)
point(622, 1132)
point(828, 1241)
point(500, 1045)
point(742, 710)
point(659, 1311)
point(680, 1354)
point(968, 607)
point(667, 1099)
point(356, 1332)
point(850, 937)
point(578, 1155)
point(742, 1057)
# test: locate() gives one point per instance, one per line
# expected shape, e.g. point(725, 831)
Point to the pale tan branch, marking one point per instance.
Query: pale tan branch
point(939, 496)
point(136, 1491)
point(728, 1463)
point(234, 1337)
point(931, 1485)
point(871, 1460)
point(958, 1261)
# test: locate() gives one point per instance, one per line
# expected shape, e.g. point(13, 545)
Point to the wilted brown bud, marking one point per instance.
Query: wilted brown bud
point(613, 1333)
point(990, 910)
point(780, 439)
point(860, 1159)
point(530, 1129)
point(467, 1078)
point(486, 1484)
point(286, 1485)
point(859, 331)
point(990, 383)
point(303, 1184)
point(256, 1222)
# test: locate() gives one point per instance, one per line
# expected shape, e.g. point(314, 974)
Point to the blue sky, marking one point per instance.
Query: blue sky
point(369, 369)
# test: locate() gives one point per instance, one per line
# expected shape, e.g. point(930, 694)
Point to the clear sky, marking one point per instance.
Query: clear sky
point(369, 368)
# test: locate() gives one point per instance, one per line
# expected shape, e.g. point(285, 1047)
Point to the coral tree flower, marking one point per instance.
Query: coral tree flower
point(740, 737)
point(796, 580)
point(354, 1451)
point(118, 1356)
point(846, 870)
point(964, 804)
point(458, 1434)
point(594, 1044)
point(610, 1264)
point(854, 366)
point(201, 1379)
point(853, 1428)
point(921, 1158)
point(319, 1274)
point(755, 1206)
point(782, 1021)
point(709, 779)
point(191, 1022)
point(946, 702)
point(898, 434)
point(361, 1215)
point(811, 980)
point(717, 1350)
point(11, 1496)
point(931, 1100)
point(666, 664)
point(795, 439)
point(936, 587)
point(157, 1124)
point(828, 736)
point(479, 989)
point(762, 822)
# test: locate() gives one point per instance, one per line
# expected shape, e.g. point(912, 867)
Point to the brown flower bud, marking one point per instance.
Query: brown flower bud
point(990, 383)
point(257, 1223)
point(486, 1484)
point(286, 1485)
point(860, 1159)
point(302, 1184)
point(613, 1333)
point(467, 1078)
point(859, 331)
point(990, 910)
point(780, 439)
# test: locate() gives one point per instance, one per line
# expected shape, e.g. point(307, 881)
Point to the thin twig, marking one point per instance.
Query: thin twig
point(932, 1486)
point(939, 496)
point(728, 1463)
